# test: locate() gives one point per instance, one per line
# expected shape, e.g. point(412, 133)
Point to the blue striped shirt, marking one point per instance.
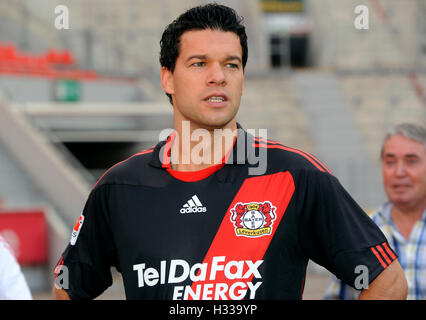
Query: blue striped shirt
point(411, 255)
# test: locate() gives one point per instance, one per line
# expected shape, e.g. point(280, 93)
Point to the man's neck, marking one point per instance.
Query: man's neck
point(196, 148)
point(406, 217)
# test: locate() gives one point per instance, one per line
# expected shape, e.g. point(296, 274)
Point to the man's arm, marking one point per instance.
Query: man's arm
point(60, 294)
point(391, 284)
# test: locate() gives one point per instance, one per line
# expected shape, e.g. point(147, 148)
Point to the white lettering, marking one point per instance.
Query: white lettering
point(362, 20)
point(238, 274)
point(186, 142)
point(196, 147)
point(151, 277)
point(172, 274)
point(177, 293)
point(203, 272)
point(201, 152)
point(361, 281)
point(163, 272)
point(253, 269)
point(194, 295)
point(208, 291)
point(219, 136)
point(253, 288)
point(62, 277)
point(220, 292)
point(62, 20)
point(216, 267)
point(240, 294)
point(180, 271)
point(139, 268)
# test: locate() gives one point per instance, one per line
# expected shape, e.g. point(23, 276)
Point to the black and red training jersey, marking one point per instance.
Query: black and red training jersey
point(220, 233)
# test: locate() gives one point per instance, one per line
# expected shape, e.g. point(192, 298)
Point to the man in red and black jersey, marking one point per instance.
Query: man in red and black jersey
point(213, 212)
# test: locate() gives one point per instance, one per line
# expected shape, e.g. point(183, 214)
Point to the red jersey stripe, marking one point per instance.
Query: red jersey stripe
point(277, 189)
point(137, 154)
point(303, 287)
point(379, 258)
point(389, 251)
point(384, 255)
point(304, 152)
point(291, 150)
point(58, 267)
point(192, 176)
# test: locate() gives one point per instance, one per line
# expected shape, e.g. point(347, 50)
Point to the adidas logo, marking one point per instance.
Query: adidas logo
point(193, 205)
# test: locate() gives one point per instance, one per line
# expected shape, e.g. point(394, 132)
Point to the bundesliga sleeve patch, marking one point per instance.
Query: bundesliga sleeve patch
point(76, 230)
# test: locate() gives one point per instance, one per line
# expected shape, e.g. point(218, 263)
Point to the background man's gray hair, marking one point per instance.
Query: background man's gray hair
point(411, 131)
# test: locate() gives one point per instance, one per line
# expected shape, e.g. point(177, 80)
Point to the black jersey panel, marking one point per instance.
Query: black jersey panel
point(153, 225)
point(91, 252)
point(335, 232)
point(284, 260)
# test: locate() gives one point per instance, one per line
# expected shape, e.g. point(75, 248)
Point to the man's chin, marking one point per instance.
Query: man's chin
point(211, 124)
point(400, 200)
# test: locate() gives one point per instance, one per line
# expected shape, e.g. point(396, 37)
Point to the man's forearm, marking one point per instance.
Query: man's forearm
point(60, 294)
point(391, 284)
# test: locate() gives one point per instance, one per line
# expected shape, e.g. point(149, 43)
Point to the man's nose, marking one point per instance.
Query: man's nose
point(400, 169)
point(216, 75)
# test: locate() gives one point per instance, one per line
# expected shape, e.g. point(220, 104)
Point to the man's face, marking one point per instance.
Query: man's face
point(207, 83)
point(404, 171)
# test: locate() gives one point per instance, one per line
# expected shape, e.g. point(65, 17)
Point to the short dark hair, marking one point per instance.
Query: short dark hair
point(210, 16)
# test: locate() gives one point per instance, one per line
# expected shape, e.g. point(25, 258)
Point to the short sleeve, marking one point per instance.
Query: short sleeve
point(89, 256)
point(337, 234)
point(337, 290)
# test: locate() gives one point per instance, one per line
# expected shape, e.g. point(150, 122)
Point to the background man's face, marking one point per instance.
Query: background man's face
point(404, 171)
point(207, 83)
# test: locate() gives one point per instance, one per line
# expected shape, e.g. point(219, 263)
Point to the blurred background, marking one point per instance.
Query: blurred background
point(79, 93)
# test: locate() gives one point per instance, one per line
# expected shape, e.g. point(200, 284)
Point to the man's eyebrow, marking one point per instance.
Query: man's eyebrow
point(197, 56)
point(409, 155)
point(234, 58)
point(204, 57)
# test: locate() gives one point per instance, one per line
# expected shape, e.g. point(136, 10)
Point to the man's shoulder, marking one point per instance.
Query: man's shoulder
point(282, 157)
point(381, 215)
point(129, 170)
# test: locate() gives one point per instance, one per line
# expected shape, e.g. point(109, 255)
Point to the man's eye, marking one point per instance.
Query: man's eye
point(412, 161)
point(198, 64)
point(232, 65)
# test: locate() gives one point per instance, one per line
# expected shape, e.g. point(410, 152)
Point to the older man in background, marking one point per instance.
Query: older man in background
point(403, 218)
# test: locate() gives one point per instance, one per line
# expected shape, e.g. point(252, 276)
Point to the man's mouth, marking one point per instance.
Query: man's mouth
point(216, 99)
point(400, 187)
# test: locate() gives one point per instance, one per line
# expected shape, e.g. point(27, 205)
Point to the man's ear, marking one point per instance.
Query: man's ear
point(167, 81)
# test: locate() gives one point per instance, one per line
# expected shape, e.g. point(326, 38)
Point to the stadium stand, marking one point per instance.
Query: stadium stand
point(380, 101)
point(362, 81)
point(391, 42)
point(380, 70)
point(278, 110)
point(338, 142)
point(118, 37)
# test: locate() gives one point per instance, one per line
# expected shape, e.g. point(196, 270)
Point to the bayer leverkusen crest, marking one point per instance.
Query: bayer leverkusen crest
point(253, 219)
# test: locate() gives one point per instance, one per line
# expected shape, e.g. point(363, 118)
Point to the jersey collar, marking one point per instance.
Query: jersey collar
point(239, 155)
